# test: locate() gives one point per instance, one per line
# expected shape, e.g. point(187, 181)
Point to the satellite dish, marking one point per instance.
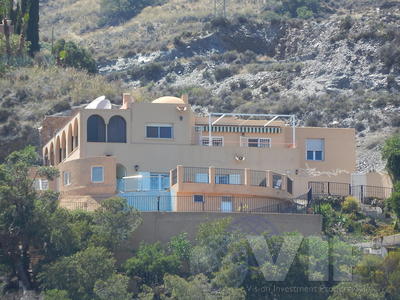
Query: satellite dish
point(99, 103)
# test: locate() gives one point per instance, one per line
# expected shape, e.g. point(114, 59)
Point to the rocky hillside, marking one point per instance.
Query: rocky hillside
point(340, 68)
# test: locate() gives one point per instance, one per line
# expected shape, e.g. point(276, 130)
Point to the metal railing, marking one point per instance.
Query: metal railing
point(258, 178)
point(195, 175)
point(362, 192)
point(366, 193)
point(330, 188)
point(202, 203)
point(229, 176)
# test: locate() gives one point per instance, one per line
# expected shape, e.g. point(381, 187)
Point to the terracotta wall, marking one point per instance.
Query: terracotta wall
point(81, 183)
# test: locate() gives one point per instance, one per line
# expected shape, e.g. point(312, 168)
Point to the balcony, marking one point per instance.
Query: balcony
point(231, 181)
point(143, 183)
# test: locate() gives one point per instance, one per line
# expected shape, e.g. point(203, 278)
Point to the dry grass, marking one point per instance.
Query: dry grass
point(154, 28)
point(42, 88)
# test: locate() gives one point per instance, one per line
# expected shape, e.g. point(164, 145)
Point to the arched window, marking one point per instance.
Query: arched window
point(96, 129)
point(116, 130)
point(76, 134)
point(51, 154)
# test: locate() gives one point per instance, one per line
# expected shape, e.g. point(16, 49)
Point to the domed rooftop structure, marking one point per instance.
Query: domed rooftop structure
point(99, 103)
point(169, 100)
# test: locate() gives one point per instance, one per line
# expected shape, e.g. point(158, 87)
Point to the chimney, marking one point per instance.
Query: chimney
point(185, 98)
point(127, 99)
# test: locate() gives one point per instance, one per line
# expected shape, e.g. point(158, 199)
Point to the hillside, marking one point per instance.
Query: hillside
point(339, 68)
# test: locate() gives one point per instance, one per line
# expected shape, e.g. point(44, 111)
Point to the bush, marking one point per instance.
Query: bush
point(368, 228)
point(304, 13)
point(55, 295)
point(151, 263)
point(390, 54)
point(116, 11)
point(150, 72)
point(68, 54)
point(346, 24)
point(222, 73)
point(299, 8)
point(350, 205)
point(359, 126)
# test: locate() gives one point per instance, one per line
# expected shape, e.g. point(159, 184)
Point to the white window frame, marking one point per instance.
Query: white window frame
point(159, 125)
point(314, 151)
point(91, 174)
point(41, 184)
point(213, 138)
point(66, 178)
point(244, 142)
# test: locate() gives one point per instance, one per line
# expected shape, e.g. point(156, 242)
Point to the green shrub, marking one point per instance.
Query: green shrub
point(304, 13)
point(151, 263)
point(222, 73)
point(368, 228)
point(55, 295)
point(299, 8)
point(150, 72)
point(390, 54)
point(350, 205)
point(68, 54)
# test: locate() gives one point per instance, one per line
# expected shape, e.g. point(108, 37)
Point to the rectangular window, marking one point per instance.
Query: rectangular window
point(252, 143)
point(97, 174)
point(255, 142)
point(159, 181)
point(315, 149)
point(222, 179)
point(217, 141)
point(67, 178)
point(264, 143)
point(159, 131)
point(41, 184)
point(198, 198)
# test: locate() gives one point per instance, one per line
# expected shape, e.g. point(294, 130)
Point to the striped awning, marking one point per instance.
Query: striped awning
point(240, 129)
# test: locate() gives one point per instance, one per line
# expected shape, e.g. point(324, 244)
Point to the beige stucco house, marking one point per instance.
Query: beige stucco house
point(163, 150)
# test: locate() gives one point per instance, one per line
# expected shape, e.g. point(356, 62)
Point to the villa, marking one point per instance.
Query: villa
point(160, 155)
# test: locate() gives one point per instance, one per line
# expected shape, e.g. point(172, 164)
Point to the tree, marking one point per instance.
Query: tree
point(56, 295)
point(25, 17)
point(114, 221)
point(151, 263)
point(355, 291)
point(68, 54)
point(199, 287)
point(381, 273)
point(78, 274)
point(23, 212)
point(32, 31)
point(113, 288)
point(391, 153)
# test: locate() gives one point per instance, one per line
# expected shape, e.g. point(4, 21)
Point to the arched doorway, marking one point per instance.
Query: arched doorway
point(96, 129)
point(51, 154)
point(116, 130)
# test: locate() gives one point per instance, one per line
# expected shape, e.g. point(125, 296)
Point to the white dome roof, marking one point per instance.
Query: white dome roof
point(99, 103)
point(169, 100)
